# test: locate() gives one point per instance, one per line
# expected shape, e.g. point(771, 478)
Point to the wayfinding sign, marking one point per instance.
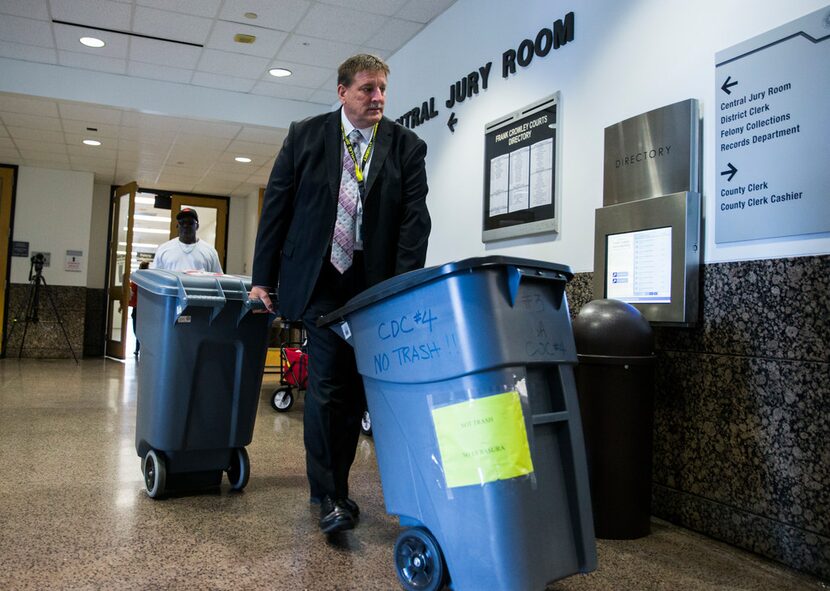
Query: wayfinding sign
point(772, 130)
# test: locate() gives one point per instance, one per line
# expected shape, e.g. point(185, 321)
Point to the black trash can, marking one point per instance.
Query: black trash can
point(615, 385)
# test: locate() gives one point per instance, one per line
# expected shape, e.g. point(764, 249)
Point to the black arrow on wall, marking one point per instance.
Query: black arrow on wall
point(451, 122)
point(731, 172)
point(727, 85)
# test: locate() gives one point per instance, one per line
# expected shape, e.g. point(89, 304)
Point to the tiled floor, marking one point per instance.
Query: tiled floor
point(74, 515)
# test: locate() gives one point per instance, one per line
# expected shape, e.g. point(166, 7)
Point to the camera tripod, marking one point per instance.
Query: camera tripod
point(32, 304)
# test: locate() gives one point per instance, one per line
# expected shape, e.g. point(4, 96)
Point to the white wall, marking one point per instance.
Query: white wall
point(626, 58)
point(52, 213)
point(251, 224)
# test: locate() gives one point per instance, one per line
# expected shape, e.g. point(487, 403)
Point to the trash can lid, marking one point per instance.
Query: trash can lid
point(167, 283)
point(407, 281)
point(612, 328)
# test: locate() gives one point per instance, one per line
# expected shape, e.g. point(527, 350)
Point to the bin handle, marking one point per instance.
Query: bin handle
point(516, 274)
point(186, 300)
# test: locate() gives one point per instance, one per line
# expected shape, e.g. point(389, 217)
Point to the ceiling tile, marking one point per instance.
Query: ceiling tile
point(33, 121)
point(44, 156)
point(267, 42)
point(7, 144)
point(28, 8)
point(51, 147)
point(25, 30)
point(222, 82)
point(241, 148)
point(67, 38)
point(93, 13)
point(48, 164)
point(83, 112)
point(324, 97)
point(232, 64)
point(28, 53)
point(350, 26)
point(295, 93)
point(28, 105)
point(41, 135)
point(164, 53)
point(423, 11)
point(206, 8)
point(301, 74)
point(215, 129)
point(317, 52)
point(216, 187)
point(157, 72)
point(171, 25)
point(99, 130)
point(393, 34)
point(262, 135)
point(202, 141)
point(272, 14)
point(9, 156)
point(92, 62)
point(76, 141)
point(385, 7)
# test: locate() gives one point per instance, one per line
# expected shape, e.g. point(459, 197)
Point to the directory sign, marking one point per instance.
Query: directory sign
point(772, 128)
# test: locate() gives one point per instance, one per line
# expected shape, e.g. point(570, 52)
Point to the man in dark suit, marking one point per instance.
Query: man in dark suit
point(345, 208)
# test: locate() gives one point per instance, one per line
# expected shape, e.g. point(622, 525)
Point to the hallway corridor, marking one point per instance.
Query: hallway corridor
point(74, 514)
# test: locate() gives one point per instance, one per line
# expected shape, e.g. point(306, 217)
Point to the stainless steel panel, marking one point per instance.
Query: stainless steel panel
point(681, 212)
point(656, 153)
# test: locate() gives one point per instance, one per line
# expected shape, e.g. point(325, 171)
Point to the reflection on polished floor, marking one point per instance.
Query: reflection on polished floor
point(74, 514)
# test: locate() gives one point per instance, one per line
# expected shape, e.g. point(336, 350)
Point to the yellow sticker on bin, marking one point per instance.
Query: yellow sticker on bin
point(483, 440)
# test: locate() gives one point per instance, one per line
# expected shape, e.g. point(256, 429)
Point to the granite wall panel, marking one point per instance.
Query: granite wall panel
point(60, 309)
point(742, 410)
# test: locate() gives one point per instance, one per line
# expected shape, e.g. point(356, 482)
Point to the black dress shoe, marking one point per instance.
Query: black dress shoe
point(350, 504)
point(335, 516)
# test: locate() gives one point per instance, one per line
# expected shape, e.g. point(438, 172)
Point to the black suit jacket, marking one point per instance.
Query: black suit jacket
point(300, 207)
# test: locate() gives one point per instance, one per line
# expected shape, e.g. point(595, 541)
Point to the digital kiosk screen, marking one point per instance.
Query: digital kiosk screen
point(638, 266)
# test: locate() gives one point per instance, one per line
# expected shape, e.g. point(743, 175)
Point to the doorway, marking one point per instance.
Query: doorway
point(143, 219)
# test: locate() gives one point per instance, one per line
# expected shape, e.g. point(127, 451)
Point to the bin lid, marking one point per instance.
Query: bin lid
point(407, 281)
point(167, 283)
point(612, 328)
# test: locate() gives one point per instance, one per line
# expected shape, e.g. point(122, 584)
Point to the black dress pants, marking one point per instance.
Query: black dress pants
point(335, 399)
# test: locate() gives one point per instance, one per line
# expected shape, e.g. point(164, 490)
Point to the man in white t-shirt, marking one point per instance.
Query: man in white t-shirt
point(187, 252)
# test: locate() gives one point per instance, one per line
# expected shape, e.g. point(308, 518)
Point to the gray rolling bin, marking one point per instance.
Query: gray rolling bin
point(199, 376)
point(468, 369)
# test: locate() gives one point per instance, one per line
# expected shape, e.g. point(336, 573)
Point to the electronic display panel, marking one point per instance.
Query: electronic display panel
point(638, 266)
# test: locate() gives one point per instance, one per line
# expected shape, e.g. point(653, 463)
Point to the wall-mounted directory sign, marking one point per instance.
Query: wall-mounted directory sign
point(772, 129)
point(653, 154)
point(520, 188)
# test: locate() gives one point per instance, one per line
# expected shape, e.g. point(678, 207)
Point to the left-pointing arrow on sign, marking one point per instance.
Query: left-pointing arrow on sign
point(727, 85)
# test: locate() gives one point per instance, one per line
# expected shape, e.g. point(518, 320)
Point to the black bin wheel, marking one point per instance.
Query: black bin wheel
point(418, 561)
point(282, 400)
point(240, 469)
point(366, 423)
point(155, 474)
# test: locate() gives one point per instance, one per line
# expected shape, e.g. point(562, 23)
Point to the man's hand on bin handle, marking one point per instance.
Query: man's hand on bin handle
point(261, 293)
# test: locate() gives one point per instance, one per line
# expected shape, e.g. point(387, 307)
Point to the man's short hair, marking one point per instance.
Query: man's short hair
point(362, 62)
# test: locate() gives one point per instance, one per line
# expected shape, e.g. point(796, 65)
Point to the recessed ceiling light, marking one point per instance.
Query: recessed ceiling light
point(279, 72)
point(242, 159)
point(92, 142)
point(251, 15)
point(92, 41)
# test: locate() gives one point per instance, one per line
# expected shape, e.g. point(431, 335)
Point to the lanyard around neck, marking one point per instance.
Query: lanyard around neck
point(359, 166)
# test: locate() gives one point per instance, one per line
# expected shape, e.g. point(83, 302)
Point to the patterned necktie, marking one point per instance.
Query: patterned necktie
point(342, 245)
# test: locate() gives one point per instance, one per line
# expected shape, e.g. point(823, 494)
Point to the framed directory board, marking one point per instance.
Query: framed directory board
point(520, 172)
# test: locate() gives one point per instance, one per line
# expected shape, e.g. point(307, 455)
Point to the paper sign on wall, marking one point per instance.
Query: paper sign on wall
point(74, 258)
point(483, 440)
